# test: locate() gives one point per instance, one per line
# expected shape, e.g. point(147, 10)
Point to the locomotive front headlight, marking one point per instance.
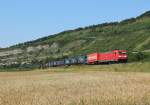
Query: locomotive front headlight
point(123, 55)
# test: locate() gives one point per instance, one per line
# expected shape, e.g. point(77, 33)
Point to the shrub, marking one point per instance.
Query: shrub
point(137, 56)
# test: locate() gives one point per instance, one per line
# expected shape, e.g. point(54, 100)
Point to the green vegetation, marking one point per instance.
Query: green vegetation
point(131, 34)
point(129, 67)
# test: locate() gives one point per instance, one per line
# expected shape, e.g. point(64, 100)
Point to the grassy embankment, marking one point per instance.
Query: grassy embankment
point(129, 67)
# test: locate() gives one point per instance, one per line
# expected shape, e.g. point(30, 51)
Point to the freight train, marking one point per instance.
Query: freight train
point(115, 56)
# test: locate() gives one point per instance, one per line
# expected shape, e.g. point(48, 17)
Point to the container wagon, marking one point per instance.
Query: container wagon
point(76, 60)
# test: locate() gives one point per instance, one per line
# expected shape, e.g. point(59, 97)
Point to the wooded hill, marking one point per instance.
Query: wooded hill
point(131, 34)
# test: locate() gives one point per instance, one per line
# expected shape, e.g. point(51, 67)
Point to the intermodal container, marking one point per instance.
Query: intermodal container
point(67, 61)
point(82, 59)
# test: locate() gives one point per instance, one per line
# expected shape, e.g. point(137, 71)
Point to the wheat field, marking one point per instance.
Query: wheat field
point(43, 87)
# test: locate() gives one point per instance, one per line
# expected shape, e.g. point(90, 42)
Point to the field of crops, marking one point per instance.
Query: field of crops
point(46, 87)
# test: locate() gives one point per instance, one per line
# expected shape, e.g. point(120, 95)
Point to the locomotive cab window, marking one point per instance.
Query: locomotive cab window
point(122, 52)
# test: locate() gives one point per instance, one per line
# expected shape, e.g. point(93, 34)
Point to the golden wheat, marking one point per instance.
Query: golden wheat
point(80, 88)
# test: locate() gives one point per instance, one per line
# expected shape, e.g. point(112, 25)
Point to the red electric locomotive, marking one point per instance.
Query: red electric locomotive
point(114, 56)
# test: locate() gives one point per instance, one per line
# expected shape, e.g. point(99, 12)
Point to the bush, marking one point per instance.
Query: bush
point(127, 21)
point(140, 56)
point(137, 56)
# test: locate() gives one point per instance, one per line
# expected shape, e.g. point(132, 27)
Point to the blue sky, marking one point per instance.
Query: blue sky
point(25, 20)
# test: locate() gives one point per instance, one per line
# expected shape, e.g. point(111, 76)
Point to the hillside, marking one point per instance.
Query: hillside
point(131, 34)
